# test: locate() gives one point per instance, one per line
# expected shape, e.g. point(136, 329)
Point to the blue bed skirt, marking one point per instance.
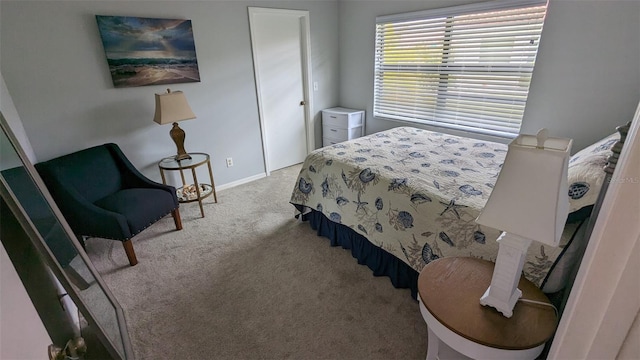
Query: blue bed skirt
point(378, 260)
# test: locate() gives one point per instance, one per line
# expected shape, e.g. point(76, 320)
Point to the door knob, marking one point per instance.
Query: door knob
point(303, 103)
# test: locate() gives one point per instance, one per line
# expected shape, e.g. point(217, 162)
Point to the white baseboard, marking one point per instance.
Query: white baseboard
point(240, 182)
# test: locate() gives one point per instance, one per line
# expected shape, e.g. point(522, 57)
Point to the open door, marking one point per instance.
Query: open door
point(280, 44)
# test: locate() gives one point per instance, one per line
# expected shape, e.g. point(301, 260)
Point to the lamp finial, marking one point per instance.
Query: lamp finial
point(542, 136)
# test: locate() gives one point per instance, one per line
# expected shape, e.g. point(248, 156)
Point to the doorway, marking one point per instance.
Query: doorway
point(280, 41)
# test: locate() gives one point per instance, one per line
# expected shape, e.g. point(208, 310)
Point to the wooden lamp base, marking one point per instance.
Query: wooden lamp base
point(178, 135)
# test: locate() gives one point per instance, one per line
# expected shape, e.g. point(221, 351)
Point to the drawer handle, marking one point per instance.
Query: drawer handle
point(333, 117)
point(334, 130)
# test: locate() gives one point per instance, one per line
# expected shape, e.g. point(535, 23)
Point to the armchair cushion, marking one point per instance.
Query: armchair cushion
point(93, 172)
point(138, 206)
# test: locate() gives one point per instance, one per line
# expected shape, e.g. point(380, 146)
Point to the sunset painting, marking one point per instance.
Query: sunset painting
point(144, 51)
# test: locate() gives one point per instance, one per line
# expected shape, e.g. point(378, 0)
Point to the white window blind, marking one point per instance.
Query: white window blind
point(466, 67)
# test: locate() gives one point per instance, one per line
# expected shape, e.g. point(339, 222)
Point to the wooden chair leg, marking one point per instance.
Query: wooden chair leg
point(176, 218)
point(131, 255)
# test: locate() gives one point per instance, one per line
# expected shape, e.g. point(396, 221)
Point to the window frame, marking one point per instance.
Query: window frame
point(482, 124)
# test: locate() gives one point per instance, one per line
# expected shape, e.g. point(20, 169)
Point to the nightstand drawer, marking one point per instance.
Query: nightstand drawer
point(335, 120)
point(326, 141)
point(341, 134)
point(342, 118)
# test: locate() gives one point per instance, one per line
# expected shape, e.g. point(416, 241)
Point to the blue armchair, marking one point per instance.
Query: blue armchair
point(101, 194)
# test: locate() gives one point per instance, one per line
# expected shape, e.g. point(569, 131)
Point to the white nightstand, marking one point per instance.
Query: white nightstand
point(341, 124)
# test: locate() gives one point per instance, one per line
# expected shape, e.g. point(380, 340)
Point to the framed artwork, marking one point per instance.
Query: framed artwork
point(147, 51)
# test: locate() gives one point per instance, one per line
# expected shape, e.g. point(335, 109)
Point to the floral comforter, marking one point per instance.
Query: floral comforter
point(414, 193)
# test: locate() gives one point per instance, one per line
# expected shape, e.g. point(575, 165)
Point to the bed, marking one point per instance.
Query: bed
point(404, 197)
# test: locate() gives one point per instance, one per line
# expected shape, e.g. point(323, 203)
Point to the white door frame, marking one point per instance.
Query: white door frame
point(305, 35)
point(604, 299)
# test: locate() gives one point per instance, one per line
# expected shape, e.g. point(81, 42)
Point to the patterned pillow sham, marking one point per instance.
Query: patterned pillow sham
point(586, 173)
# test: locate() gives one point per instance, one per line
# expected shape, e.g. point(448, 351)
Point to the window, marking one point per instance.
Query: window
point(467, 67)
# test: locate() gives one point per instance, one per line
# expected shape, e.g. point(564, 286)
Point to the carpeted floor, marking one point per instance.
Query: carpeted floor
point(249, 281)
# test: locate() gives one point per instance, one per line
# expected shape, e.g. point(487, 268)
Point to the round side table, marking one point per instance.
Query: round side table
point(202, 190)
point(449, 294)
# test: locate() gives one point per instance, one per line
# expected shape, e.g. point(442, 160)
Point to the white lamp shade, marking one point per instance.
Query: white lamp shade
point(172, 107)
point(530, 198)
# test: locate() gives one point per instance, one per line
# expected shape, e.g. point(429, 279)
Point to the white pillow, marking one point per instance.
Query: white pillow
point(586, 172)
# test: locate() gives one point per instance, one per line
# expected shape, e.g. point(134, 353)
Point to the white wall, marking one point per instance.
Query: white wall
point(587, 75)
point(55, 68)
point(10, 113)
point(586, 80)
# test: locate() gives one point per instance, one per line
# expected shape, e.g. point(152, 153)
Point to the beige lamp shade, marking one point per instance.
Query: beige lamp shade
point(172, 107)
point(530, 198)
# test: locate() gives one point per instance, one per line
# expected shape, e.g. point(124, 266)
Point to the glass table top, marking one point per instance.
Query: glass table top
point(170, 163)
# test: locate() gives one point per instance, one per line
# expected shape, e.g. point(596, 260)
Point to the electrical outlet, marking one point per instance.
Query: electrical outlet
point(229, 162)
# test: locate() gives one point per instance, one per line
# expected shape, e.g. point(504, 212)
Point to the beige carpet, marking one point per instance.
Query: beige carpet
point(249, 281)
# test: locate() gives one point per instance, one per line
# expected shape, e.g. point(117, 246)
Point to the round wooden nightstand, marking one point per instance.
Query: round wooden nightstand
point(449, 294)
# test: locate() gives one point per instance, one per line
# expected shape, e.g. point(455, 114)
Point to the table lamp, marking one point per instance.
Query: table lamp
point(529, 202)
point(172, 107)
